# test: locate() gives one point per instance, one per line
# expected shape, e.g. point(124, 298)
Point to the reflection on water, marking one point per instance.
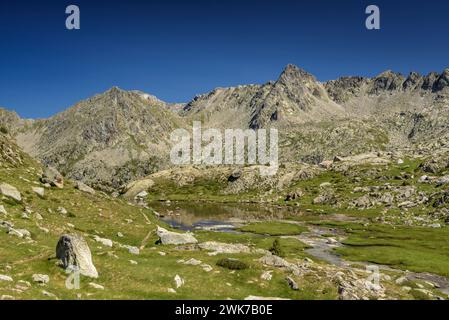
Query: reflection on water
point(217, 216)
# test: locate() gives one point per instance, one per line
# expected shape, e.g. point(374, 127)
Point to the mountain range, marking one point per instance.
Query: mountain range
point(119, 136)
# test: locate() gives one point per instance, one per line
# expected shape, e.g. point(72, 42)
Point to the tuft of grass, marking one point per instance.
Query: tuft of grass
point(417, 249)
point(232, 264)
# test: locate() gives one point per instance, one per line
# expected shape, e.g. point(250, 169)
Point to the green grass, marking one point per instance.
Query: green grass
point(406, 248)
point(416, 249)
point(150, 279)
point(274, 228)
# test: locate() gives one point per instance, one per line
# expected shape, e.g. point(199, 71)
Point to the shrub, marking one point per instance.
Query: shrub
point(4, 130)
point(232, 264)
point(276, 249)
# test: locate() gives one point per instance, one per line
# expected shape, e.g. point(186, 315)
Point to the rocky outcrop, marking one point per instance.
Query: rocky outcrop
point(442, 81)
point(84, 188)
point(52, 177)
point(10, 191)
point(343, 89)
point(386, 81)
point(294, 97)
point(136, 187)
point(173, 238)
point(75, 254)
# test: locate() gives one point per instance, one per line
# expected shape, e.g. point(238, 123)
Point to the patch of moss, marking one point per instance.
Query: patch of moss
point(232, 264)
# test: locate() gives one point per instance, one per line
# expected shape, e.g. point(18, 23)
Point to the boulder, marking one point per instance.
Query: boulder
point(62, 210)
point(179, 281)
point(75, 254)
point(292, 283)
point(442, 181)
point(52, 177)
point(193, 262)
point(84, 188)
point(131, 249)
point(267, 276)
point(142, 195)
point(21, 233)
point(218, 247)
point(6, 224)
point(168, 237)
point(3, 210)
point(41, 278)
point(105, 242)
point(96, 286)
point(275, 261)
point(10, 192)
point(327, 164)
point(136, 187)
point(5, 278)
point(338, 159)
point(39, 191)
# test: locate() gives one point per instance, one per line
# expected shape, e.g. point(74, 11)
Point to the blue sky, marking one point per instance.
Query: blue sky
point(175, 49)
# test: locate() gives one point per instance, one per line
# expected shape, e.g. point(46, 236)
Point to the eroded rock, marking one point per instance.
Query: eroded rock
point(75, 254)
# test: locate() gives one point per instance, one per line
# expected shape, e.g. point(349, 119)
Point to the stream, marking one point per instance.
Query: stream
point(225, 217)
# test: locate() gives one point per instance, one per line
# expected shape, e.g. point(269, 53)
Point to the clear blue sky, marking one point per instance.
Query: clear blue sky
point(175, 49)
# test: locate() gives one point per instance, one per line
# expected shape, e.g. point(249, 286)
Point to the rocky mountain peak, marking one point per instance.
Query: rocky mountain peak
point(342, 89)
point(413, 81)
point(386, 81)
point(429, 81)
point(292, 73)
point(442, 81)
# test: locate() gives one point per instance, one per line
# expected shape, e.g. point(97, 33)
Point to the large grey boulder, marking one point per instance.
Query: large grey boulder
point(75, 254)
point(6, 278)
point(11, 192)
point(218, 247)
point(168, 237)
point(39, 191)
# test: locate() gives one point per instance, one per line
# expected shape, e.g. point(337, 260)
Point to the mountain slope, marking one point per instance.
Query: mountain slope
point(106, 140)
point(118, 136)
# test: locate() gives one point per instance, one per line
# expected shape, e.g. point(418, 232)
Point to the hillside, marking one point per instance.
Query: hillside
point(106, 140)
point(132, 263)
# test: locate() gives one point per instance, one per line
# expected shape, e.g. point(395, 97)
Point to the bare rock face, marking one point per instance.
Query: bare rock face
point(429, 81)
point(413, 81)
point(342, 89)
point(111, 139)
point(442, 82)
point(136, 187)
point(52, 177)
point(295, 97)
point(386, 81)
point(74, 253)
point(168, 237)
